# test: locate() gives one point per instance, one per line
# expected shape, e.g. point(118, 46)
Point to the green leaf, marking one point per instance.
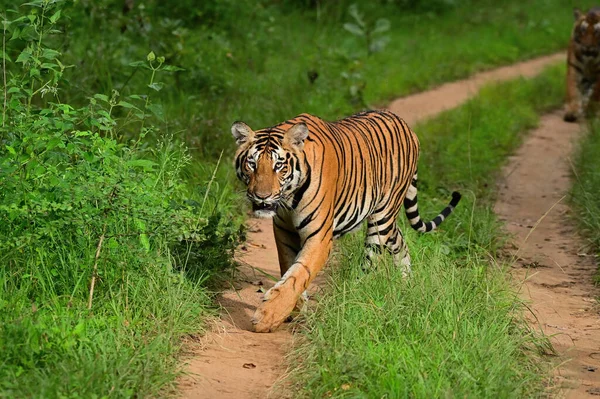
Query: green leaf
point(141, 64)
point(151, 56)
point(156, 86)
point(47, 65)
point(125, 104)
point(379, 44)
point(353, 11)
point(53, 143)
point(101, 97)
point(382, 25)
point(55, 17)
point(157, 110)
point(6, 57)
point(145, 164)
point(50, 54)
point(11, 149)
point(24, 56)
point(16, 34)
point(354, 29)
point(172, 68)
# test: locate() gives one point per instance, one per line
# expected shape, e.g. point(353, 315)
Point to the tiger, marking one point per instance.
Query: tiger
point(319, 180)
point(583, 64)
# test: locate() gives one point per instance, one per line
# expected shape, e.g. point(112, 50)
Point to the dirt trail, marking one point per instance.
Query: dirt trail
point(429, 103)
point(557, 275)
point(231, 361)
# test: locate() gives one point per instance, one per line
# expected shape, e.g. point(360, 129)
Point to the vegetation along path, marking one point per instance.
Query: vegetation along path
point(233, 362)
point(557, 275)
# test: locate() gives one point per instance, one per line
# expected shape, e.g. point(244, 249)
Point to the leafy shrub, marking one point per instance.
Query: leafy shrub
point(96, 233)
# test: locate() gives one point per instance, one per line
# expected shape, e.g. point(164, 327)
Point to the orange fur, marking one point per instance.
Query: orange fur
point(583, 64)
point(320, 180)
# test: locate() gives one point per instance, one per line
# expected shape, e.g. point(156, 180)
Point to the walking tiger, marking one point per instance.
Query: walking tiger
point(320, 180)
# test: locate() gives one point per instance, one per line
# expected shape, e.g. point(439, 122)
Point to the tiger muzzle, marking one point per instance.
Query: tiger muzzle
point(263, 204)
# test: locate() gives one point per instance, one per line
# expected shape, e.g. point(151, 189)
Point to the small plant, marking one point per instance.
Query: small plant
point(373, 33)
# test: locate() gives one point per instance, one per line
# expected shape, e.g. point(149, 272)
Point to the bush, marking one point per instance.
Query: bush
point(97, 235)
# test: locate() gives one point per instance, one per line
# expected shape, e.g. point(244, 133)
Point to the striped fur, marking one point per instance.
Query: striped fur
point(320, 180)
point(583, 64)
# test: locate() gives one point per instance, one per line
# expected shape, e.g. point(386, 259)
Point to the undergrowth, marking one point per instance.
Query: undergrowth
point(266, 61)
point(105, 247)
point(586, 189)
point(455, 328)
point(110, 231)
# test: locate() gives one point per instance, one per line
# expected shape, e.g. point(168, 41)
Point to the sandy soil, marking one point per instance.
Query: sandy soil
point(233, 362)
point(550, 257)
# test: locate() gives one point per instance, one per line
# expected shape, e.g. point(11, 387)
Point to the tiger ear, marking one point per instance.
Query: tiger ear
point(576, 13)
point(241, 132)
point(296, 134)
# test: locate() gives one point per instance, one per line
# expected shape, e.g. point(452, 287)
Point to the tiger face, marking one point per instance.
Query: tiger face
point(271, 163)
point(586, 33)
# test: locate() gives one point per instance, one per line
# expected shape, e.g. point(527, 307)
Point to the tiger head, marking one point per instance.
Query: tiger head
point(586, 32)
point(271, 163)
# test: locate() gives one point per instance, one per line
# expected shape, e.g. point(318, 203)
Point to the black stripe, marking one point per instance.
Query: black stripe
point(300, 192)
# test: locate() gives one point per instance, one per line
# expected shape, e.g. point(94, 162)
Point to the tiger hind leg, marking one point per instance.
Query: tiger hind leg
point(384, 234)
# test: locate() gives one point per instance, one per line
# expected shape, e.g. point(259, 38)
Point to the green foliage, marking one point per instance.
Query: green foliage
point(264, 61)
point(586, 188)
point(103, 246)
point(455, 328)
point(371, 32)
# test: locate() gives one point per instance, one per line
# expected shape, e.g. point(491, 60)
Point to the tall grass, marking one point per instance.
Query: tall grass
point(455, 328)
point(586, 188)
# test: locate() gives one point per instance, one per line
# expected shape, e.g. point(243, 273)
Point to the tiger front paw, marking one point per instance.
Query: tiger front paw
point(278, 303)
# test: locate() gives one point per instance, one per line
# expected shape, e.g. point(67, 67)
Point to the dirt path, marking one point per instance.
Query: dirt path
point(232, 362)
point(429, 103)
point(557, 275)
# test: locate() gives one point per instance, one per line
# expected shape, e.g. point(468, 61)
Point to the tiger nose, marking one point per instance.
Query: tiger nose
point(262, 196)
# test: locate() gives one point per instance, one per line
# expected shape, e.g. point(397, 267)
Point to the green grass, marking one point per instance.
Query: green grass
point(586, 188)
point(252, 62)
point(107, 248)
point(54, 347)
point(456, 327)
point(167, 230)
